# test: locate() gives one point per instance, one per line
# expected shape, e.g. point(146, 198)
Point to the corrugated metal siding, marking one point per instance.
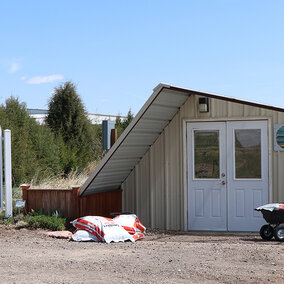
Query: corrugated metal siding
point(155, 190)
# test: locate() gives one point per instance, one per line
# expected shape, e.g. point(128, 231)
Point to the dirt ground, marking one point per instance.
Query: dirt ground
point(30, 256)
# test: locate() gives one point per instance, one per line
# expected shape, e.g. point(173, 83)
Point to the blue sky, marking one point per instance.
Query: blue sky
point(116, 52)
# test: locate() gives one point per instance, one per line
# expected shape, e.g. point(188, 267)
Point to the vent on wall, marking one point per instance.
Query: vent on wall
point(278, 137)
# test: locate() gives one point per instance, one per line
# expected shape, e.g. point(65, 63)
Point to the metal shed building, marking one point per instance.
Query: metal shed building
point(191, 160)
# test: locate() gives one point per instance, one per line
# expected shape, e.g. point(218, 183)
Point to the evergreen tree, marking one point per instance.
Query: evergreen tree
point(121, 125)
point(13, 116)
point(67, 118)
point(48, 150)
point(35, 152)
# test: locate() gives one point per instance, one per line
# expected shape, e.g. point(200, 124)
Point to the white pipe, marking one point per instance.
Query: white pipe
point(1, 172)
point(8, 174)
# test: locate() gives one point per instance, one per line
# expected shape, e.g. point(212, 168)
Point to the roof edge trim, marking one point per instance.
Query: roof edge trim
point(225, 98)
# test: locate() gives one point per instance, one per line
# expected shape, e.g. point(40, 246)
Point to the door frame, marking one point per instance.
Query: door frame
point(185, 156)
point(210, 188)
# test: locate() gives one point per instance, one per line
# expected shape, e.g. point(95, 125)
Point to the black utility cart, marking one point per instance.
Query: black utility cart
point(274, 216)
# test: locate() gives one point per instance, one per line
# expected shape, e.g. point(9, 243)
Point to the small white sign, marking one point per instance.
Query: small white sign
point(20, 203)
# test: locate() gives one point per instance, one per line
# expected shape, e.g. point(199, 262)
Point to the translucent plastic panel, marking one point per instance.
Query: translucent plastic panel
point(206, 154)
point(248, 153)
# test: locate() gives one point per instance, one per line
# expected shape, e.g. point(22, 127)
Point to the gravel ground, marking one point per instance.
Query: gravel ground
point(30, 256)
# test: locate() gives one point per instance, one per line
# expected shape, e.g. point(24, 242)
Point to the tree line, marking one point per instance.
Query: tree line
point(66, 141)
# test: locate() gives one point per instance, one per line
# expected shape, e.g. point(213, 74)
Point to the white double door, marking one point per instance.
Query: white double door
point(227, 175)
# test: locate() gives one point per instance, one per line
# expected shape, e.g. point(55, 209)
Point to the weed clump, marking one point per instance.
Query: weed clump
point(36, 220)
point(46, 222)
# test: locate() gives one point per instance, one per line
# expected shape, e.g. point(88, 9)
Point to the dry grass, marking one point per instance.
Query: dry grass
point(74, 178)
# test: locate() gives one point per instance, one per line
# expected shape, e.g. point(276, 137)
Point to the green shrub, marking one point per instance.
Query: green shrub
point(36, 213)
point(56, 214)
point(36, 219)
point(6, 221)
point(45, 222)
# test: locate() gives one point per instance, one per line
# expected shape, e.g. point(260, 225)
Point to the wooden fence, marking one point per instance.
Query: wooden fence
point(101, 203)
point(70, 204)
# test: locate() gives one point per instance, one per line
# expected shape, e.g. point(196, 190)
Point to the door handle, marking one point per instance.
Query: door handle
point(222, 182)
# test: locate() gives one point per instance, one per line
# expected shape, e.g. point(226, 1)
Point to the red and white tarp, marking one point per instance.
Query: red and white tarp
point(102, 229)
point(130, 223)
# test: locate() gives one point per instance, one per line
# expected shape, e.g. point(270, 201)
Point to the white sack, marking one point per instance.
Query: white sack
point(104, 229)
point(130, 223)
point(83, 236)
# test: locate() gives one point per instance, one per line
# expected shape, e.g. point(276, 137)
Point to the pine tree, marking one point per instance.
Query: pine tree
point(35, 151)
point(121, 125)
point(67, 118)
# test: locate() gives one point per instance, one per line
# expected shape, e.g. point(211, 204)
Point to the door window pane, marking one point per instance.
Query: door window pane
point(206, 154)
point(248, 153)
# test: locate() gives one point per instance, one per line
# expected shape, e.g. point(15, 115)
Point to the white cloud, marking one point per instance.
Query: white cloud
point(23, 78)
point(44, 79)
point(14, 66)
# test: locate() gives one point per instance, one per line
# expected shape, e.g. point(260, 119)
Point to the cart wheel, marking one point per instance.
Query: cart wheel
point(266, 232)
point(279, 233)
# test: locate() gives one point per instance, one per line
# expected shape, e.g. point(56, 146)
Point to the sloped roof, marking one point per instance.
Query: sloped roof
point(141, 133)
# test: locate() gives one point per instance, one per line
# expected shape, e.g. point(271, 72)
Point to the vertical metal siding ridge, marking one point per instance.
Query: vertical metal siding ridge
point(157, 90)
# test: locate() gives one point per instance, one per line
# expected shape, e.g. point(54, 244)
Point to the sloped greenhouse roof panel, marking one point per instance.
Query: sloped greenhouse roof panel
point(136, 140)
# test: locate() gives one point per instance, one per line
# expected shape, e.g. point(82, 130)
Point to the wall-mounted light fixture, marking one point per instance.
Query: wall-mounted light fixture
point(203, 104)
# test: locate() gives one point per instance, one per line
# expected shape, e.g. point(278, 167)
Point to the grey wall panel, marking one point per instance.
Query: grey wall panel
point(173, 175)
point(157, 175)
point(218, 108)
point(128, 197)
point(235, 110)
point(155, 188)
